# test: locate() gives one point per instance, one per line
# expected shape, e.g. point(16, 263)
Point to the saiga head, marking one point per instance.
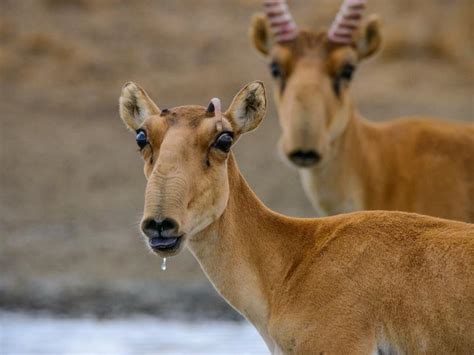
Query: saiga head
point(312, 74)
point(185, 151)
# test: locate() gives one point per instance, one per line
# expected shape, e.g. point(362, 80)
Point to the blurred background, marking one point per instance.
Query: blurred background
point(71, 181)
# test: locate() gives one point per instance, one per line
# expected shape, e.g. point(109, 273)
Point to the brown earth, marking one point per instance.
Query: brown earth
point(72, 187)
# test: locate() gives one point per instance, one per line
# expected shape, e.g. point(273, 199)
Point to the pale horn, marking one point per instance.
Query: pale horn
point(347, 21)
point(281, 22)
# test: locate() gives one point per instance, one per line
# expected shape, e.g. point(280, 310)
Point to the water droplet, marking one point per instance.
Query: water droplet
point(163, 264)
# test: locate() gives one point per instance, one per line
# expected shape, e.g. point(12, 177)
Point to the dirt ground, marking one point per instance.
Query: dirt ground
point(71, 182)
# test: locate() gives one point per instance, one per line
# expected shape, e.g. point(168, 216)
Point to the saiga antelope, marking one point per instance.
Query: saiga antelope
point(345, 162)
point(347, 284)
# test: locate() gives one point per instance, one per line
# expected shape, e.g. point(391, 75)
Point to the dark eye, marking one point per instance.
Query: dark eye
point(346, 72)
point(343, 77)
point(275, 69)
point(224, 142)
point(141, 139)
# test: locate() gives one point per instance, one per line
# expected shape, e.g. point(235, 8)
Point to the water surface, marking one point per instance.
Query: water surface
point(25, 334)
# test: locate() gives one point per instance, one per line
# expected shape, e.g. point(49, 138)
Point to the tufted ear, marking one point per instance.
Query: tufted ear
point(135, 106)
point(260, 34)
point(247, 108)
point(369, 39)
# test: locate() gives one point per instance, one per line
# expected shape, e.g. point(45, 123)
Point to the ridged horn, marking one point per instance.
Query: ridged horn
point(347, 21)
point(281, 22)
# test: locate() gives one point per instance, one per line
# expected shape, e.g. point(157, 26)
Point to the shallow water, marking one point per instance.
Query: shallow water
point(25, 334)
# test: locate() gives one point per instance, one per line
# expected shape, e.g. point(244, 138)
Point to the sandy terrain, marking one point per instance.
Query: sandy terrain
point(71, 182)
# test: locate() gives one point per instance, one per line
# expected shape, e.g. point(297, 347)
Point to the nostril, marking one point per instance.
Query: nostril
point(151, 228)
point(305, 157)
point(168, 224)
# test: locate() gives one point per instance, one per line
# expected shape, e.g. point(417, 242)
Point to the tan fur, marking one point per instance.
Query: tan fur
point(412, 164)
point(347, 284)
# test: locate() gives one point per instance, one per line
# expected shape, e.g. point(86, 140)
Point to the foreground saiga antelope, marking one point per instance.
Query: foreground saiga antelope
point(348, 284)
point(345, 162)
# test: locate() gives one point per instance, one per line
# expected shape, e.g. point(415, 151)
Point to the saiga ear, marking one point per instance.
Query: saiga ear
point(260, 34)
point(369, 39)
point(135, 106)
point(247, 108)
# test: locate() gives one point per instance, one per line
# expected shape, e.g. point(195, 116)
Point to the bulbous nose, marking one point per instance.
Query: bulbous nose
point(304, 158)
point(154, 228)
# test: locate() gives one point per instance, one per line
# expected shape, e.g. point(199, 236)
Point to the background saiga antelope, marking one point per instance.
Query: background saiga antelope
point(347, 163)
point(349, 284)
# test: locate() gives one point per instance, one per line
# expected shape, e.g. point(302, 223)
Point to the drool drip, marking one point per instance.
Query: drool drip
point(163, 264)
